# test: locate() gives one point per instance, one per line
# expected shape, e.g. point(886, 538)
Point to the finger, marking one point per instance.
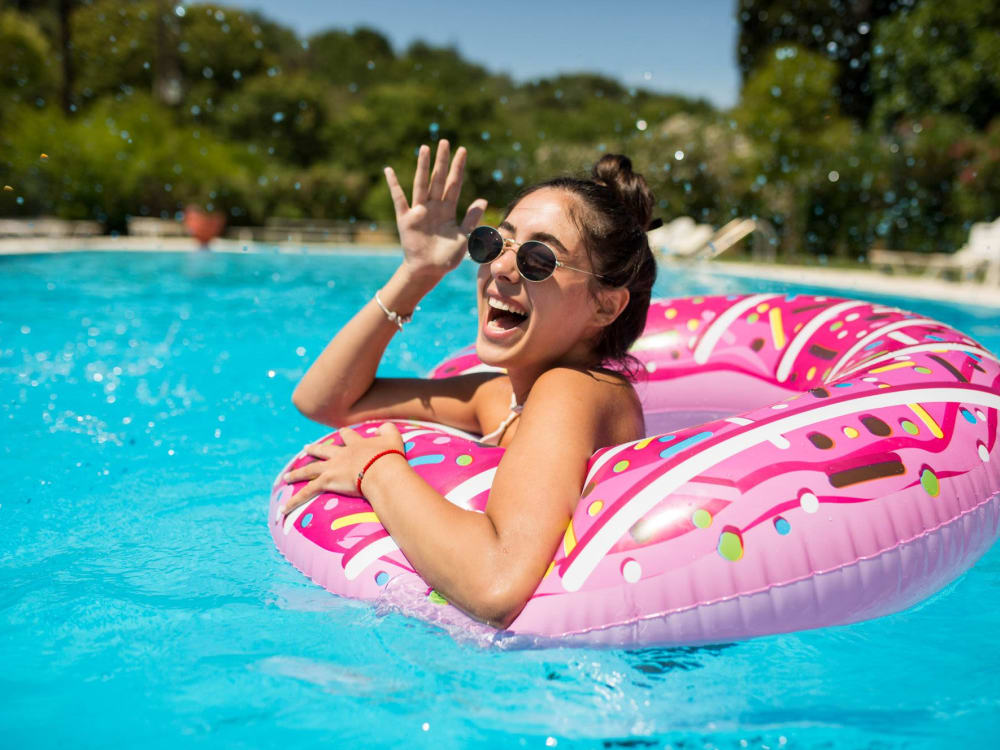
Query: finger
point(440, 173)
point(389, 429)
point(396, 191)
point(453, 186)
point(321, 450)
point(349, 436)
point(420, 177)
point(303, 473)
point(301, 497)
point(473, 215)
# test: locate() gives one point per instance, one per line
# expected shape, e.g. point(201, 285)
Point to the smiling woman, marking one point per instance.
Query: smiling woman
point(557, 314)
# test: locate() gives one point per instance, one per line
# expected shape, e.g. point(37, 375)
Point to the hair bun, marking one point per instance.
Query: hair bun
point(615, 172)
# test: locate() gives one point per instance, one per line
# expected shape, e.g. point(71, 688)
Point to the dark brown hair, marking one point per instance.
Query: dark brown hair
point(616, 211)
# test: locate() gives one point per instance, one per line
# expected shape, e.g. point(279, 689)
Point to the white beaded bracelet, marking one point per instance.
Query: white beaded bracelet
point(394, 317)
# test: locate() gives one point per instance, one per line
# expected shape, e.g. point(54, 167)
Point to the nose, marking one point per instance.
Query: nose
point(505, 264)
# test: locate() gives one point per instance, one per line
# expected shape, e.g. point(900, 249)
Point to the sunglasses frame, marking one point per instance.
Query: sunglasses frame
point(509, 244)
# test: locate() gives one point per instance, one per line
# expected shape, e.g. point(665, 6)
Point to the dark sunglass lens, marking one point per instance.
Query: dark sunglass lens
point(485, 244)
point(535, 261)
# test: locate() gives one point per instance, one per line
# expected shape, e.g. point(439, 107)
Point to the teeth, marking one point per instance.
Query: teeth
point(499, 305)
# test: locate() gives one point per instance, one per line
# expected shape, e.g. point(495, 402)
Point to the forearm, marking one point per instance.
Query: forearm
point(346, 369)
point(456, 551)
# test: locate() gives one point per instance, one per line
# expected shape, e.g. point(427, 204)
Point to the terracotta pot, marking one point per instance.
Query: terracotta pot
point(204, 226)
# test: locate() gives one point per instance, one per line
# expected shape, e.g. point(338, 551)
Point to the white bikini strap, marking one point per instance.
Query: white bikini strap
point(514, 413)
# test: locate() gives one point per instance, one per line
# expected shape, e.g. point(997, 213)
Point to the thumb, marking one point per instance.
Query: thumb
point(473, 214)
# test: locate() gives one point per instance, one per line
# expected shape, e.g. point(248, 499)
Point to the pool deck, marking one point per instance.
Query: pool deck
point(853, 281)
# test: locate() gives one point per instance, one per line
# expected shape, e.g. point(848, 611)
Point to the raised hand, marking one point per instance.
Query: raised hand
point(433, 243)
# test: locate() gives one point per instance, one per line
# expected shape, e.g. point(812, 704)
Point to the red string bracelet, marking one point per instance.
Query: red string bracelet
point(373, 459)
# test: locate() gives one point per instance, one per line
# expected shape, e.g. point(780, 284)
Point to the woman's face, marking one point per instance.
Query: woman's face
point(537, 325)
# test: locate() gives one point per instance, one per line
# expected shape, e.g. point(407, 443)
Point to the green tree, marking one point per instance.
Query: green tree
point(939, 58)
point(26, 75)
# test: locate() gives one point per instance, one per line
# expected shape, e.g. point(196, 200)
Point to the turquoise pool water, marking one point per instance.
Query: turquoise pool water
point(145, 412)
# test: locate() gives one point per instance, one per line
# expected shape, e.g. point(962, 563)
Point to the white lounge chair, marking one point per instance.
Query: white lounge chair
point(980, 255)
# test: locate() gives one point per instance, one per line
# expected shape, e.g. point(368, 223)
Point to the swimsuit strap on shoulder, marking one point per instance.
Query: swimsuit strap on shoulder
point(494, 437)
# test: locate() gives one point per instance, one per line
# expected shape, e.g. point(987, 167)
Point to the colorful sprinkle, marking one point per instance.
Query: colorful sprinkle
point(381, 578)
point(927, 419)
point(464, 460)
point(701, 518)
point(408, 446)
point(908, 426)
point(330, 504)
point(929, 481)
point(594, 508)
point(777, 330)
point(851, 432)
point(353, 519)
point(763, 307)
point(983, 453)
point(569, 539)
point(923, 370)
point(782, 526)
point(433, 458)
point(811, 373)
point(876, 426)
point(435, 598)
point(306, 520)
point(666, 438)
point(683, 444)
point(693, 324)
point(731, 544)
point(631, 571)
point(820, 440)
point(809, 502)
point(753, 318)
point(642, 443)
point(967, 415)
point(441, 440)
point(671, 313)
point(620, 467)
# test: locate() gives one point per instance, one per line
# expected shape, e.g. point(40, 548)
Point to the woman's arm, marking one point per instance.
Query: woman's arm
point(488, 564)
point(340, 386)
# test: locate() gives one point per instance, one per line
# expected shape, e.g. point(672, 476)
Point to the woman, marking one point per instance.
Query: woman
point(555, 327)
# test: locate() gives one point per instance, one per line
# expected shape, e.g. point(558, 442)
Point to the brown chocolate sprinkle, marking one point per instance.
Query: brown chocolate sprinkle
point(867, 473)
point(589, 488)
point(807, 308)
point(950, 368)
point(757, 344)
point(822, 352)
point(878, 316)
point(876, 426)
point(820, 440)
point(820, 392)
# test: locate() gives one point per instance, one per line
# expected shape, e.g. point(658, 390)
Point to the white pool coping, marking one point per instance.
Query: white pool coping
point(855, 282)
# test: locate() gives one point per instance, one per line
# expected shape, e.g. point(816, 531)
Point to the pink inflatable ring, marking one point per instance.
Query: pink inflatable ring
point(811, 461)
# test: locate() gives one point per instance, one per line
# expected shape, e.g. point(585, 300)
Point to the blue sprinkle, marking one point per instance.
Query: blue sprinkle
point(782, 526)
point(791, 297)
point(873, 344)
point(382, 578)
point(842, 385)
point(933, 338)
point(408, 446)
point(667, 438)
point(977, 358)
point(307, 519)
point(968, 416)
point(434, 458)
point(678, 447)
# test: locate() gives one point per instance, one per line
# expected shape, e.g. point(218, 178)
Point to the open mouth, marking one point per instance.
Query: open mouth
point(503, 316)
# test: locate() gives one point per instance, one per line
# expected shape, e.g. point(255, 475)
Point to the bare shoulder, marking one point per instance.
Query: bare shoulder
point(599, 401)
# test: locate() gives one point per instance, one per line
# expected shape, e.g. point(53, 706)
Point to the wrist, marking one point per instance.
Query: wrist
point(382, 458)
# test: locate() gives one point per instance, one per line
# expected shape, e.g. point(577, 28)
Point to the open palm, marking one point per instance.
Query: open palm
point(432, 240)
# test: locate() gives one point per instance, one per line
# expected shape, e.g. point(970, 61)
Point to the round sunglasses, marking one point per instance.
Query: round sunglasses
point(536, 261)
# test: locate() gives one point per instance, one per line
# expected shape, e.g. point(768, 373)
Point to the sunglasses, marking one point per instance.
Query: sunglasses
point(536, 261)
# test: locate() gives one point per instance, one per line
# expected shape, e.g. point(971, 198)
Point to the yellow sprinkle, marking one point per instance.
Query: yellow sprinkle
point(927, 419)
point(811, 373)
point(552, 566)
point(692, 324)
point(893, 366)
point(569, 539)
point(595, 508)
point(777, 330)
point(763, 307)
point(354, 519)
point(851, 432)
point(671, 313)
point(884, 385)
point(643, 443)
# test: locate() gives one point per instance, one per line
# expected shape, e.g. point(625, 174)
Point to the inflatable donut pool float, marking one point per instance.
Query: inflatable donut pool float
point(810, 461)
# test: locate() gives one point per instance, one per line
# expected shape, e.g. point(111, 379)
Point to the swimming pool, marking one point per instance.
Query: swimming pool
point(145, 412)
